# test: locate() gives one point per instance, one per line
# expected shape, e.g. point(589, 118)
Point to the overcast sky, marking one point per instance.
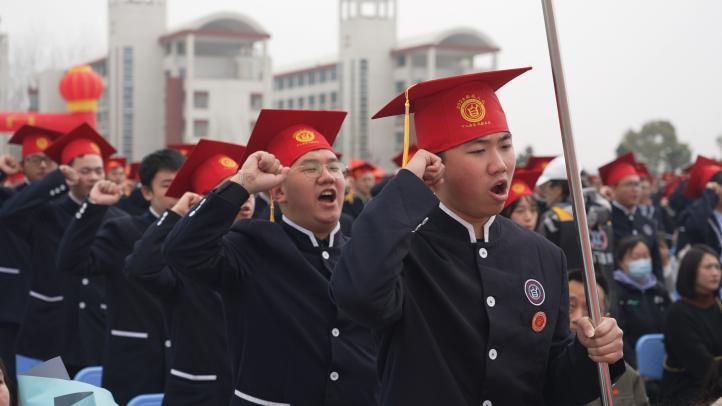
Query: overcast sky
point(626, 61)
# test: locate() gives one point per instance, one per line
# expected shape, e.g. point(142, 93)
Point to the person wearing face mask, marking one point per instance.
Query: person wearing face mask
point(642, 300)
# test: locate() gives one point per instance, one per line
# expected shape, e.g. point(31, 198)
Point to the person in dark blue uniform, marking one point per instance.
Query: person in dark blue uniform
point(15, 275)
point(200, 368)
point(469, 308)
point(622, 177)
point(65, 315)
point(703, 221)
point(136, 341)
point(297, 347)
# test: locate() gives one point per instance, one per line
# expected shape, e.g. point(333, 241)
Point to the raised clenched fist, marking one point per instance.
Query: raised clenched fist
point(427, 166)
point(106, 193)
point(184, 204)
point(261, 172)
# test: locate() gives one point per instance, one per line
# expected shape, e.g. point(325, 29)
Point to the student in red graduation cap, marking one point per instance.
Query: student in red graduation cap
point(622, 176)
point(94, 245)
point(70, 309)
point(297, 347)
point(521, 207)
point(200, 366)
point(132, 201)
point(34, 141)
point(469, 308)
point(115, 171)
point(360, 179)
point(703, 221)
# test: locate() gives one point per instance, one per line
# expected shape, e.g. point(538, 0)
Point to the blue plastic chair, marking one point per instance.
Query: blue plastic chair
point(650, 355)
point(154, 399)
point(23, 363)
point(91, 375)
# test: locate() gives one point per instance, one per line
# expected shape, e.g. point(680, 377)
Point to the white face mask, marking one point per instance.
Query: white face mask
point(640, 269)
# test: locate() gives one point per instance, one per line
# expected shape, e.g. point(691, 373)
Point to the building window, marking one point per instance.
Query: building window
point(332, 73)
point(278, 83)
point(251, 125)
point(180, 48)
point(289, 81)
point(363, 109)
point(200, 128)
point(400, 86)
point(312, 102)
point(280, 104)
point(322, 100)
point(322, 75)
point(311, 77)
point(290, 103)
point(300, 102)
point(399, 140)
point(256, 101)
point(300, 78)
point(401, 60)
point(200, 100)
point(127, 101)
point(334, 98)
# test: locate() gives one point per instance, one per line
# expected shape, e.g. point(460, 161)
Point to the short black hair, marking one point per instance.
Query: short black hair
point(717, 178)
point(510, 209)
point(627, 244)
point(564, 184)
point(687, 274)
point(576, 275)
point(163, 159)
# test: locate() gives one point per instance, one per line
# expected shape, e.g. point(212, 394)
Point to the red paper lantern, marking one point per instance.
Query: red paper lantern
point(81, 87)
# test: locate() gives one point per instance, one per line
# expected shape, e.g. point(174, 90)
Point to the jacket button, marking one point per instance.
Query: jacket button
point(334, 376)
point(486, 403)
point(167, 343)
point(84, 281)
point(81, 305)
point(490, 301)
point(483, 253)
point(325, 255)
point(335, 332)
point(492, 354)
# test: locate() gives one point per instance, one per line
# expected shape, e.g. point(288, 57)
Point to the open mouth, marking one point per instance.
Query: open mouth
point(328, 196)
point(499, 190)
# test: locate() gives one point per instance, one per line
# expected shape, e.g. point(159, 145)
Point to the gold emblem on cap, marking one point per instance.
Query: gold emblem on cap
point(517, 188)
point(472, 109)
point(227, 162)
point(41, 143)
point(95, 147)
point(304, 136)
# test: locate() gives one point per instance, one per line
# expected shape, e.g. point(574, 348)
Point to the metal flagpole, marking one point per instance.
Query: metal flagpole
point(575, 186)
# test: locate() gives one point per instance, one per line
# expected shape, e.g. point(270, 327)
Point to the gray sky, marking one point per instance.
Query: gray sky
point(626, 61)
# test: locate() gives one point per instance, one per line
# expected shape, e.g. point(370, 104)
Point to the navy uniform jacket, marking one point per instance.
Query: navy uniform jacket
point(701, 225)
point(135, 204)
point(626, 224)
point(453, 314)
point(65, 314)
point(200, 368)
point(134, 361)
point(298, 348)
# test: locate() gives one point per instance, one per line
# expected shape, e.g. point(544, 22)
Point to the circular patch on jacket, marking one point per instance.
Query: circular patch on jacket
point(538, 322)
point(534, 291)
point(648, 230)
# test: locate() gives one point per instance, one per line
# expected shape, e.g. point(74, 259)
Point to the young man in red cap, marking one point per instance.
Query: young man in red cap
point(200, 367)
point(622, 177)
point(15, 274)
point(68, 309)
point(136, 346)
point(469, 308)
point(115, 171)
point(297, 347)
point(703, 220)
point(359, 181)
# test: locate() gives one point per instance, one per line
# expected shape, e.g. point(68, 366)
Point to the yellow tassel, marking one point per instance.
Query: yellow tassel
point(272, 217)
point(407, 108)
point(350, 196)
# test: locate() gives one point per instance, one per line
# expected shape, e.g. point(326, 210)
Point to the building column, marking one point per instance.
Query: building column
point(188, 88)
point(431, 63)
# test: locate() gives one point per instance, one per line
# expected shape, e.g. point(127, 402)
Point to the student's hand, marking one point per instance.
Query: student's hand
point(105, 193)
point(71, 176)
point(716, 187)
point(428, 167)
point(184, 204)
point(9, 165)
point(603, 343)
point(261, 172)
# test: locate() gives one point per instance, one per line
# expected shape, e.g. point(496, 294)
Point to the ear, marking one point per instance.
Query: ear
point(278, 194)
point(146, 192)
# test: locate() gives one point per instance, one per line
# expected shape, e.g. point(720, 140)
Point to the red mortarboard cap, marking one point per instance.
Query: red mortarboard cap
point(643, 171)
point(134, 171)
point(452, 111)
point(288, 134)
point(538, 163)
point(379, 173)
point(358, 167)
point(700, 174)
point(184, 149)
point(399, 158)
point(79, 141)
point(618, 169)
point(668, 176)
point(206, 167)
point(114, 162)
point(522, 184)
point(672, 185)
point(34, 139)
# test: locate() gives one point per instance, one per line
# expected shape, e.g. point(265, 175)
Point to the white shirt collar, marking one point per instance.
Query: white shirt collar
point(75, 199)
point(153, 212)
point(467, 225)
point(624, 209)
point(310, 235)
